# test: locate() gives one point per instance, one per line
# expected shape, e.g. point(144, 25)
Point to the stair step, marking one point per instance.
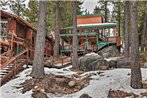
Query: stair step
point(9, 67)
point(1, 74)
point(7, 71)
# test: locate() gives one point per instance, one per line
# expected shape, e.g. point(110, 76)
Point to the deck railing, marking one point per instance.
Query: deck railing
point(15, 58)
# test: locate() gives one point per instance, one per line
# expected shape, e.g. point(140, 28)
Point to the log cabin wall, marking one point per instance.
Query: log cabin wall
point(21, 30)
point(11, 25)
point(25, 31)
point(89, 19)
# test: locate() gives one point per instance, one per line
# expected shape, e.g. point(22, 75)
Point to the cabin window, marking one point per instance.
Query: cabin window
point(106, 32)
point(111, 32)
point(33, 40)
point(4, 29)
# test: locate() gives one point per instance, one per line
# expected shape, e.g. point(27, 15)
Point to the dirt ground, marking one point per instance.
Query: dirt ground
point(55, 84)
point(120, 94)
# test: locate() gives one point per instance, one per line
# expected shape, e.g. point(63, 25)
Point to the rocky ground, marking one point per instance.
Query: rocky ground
point(55, 84)
point(102, 75)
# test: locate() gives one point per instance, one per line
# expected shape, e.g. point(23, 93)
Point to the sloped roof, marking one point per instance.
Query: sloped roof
point(20, 20)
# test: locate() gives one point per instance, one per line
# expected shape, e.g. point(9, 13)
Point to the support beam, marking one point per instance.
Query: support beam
point(86, 42)
point(97, 37)
point(79, 34)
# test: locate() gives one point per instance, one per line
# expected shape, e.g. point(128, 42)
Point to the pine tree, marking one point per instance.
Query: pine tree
point(79, 7)
point(18, 7)
point(74, 46)
point(118, 14)
point(97, 10)
point(57, 31)
point(126, 31)
point(31, 13)
point(144, 30)
point(103, 5)
point(136, 79)
point(38, 62)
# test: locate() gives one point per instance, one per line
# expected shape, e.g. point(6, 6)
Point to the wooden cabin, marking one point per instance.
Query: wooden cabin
point(17, 35)
point(93, 34)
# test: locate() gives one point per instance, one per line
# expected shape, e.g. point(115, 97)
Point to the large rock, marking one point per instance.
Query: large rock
point(112, 64)
point(124, 63)
point(110, 51)
point(91, 62)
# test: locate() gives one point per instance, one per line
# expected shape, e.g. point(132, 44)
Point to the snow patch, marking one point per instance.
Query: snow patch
point(99, 86)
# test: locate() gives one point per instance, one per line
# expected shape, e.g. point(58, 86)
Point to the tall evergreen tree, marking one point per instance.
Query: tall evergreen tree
point(57, 31)
point(38, 63)
point(136, 79)
point(144, 30)
point(79, 7)
point(74, 46)
point(31, 13)
point(18, 7)
point(117, 14)
point(103, 5)
point(96, 10)
point(126, 31)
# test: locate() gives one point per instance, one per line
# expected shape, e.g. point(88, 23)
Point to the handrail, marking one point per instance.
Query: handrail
point(5, 53)
point(62, 59)
point(13, 59)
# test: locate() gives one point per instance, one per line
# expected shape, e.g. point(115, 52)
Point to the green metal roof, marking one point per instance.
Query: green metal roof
point(98, 25)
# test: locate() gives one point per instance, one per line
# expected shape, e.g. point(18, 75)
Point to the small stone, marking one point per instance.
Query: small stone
point(129, 74)
point(65, 70)
point(72, 83)
point(85, 96)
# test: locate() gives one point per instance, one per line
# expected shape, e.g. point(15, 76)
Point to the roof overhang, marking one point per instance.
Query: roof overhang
point(96, 25)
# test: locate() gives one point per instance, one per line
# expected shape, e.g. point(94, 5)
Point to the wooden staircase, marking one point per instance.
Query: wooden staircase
point(11, 67)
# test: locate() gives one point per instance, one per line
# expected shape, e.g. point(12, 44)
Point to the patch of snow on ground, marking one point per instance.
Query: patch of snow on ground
point(60, 64)
point(9, 90)
point(91, 54)
point(60, 72)
point(99, 86)
point(112, 58)
point(117, 79)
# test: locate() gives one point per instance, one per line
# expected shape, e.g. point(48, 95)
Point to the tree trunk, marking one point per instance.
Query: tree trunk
point(106, 11)
point(38, 63)
point(143, 35)
point(136, 79)
point(126, 31)
point(119, 18)
point(57, 32)
point(74, 46)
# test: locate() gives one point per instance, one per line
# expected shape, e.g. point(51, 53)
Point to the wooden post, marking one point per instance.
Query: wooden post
point(27, 58)
point(77, 44)
point(62, 62)
point(87, 42)
point(69, 43)
point(62, 44)
point(12, 42)
point(97, 39)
